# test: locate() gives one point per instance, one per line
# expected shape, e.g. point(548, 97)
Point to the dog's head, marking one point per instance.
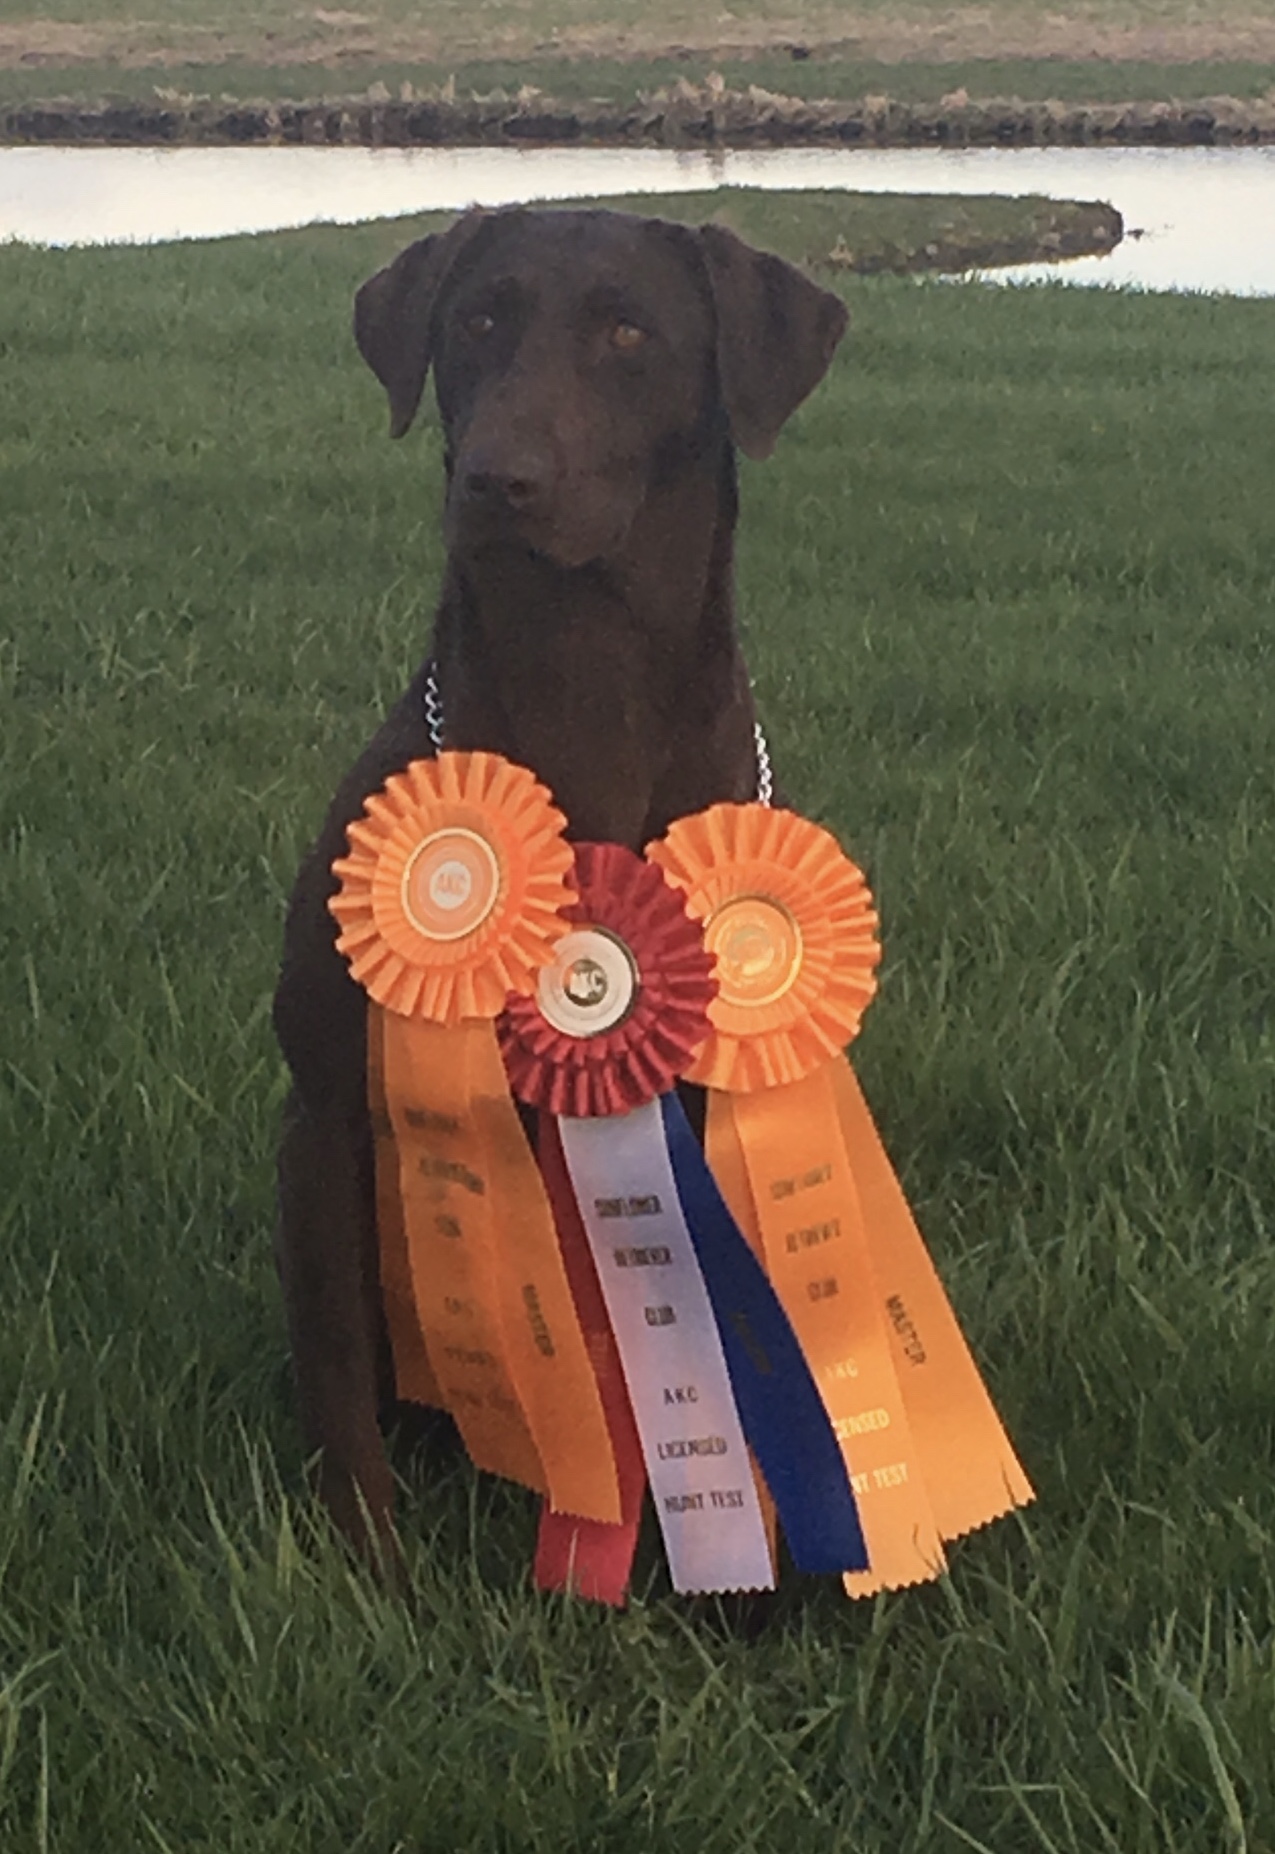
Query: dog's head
point(583, 360)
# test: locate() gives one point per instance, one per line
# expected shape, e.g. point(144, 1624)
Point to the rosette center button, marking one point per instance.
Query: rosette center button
point(591, 985)
point(451, 884)
point(757, 944)
point(585, 982)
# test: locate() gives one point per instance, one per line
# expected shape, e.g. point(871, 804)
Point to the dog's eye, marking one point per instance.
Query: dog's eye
point(627, 337)
point(480, 325)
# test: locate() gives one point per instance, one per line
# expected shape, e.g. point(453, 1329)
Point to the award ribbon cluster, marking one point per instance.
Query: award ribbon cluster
point(753, 1328)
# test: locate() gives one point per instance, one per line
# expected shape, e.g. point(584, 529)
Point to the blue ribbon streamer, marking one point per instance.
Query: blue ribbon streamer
point(784, 1417)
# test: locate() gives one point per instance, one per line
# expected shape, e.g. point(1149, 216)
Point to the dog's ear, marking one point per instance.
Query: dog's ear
point(393, 316)
point(776, 334)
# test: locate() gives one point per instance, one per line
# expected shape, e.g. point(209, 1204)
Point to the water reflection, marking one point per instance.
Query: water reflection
point(1205, 217)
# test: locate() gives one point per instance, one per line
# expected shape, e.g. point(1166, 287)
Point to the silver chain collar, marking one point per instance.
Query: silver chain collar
point(433, 706)
point(433, 710)
point(765, 780)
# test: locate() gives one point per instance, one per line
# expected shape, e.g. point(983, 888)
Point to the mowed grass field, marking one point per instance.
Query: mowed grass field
point(917, 51)
point(1009, 592)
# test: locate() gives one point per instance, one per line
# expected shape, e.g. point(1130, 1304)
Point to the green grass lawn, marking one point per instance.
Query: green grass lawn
point(1008, 588)
point(815, 21)
point(831, 231)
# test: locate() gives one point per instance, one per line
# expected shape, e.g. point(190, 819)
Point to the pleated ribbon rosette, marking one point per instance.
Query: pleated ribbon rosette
point(684, 1325)
point(795, 1153)
point(450, 900)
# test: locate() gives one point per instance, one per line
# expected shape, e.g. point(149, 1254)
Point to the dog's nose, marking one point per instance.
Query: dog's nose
point(518, 486)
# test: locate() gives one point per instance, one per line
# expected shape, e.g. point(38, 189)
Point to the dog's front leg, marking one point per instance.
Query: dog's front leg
point(327, 1257)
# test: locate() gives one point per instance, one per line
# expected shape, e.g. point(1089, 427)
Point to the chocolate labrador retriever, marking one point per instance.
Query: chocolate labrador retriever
point(594, 373)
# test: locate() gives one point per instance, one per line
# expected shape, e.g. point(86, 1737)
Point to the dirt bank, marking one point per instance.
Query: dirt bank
point(683, 116)
point(1065, 229)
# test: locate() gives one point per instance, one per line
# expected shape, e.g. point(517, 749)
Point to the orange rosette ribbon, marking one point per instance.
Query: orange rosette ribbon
point(450, 899)
point(453, 890)
point(620, 1010)
point(801, 1165)
point(790, 921)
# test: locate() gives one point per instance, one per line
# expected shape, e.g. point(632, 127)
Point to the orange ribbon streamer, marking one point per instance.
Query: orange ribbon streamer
point(780, 1163)
point(414, 1378)
point(548, 1351)
point(451, 1239)
point(928, 1457)
point(486, 1274)
point(972, 1474)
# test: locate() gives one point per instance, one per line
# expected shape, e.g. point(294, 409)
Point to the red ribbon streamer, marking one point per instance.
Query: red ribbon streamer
point(585, 1556)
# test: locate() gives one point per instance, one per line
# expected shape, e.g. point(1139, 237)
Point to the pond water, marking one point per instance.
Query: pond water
point(1196, 219)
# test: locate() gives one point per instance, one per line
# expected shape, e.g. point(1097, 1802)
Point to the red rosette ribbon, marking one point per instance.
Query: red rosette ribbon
point(622, 1007)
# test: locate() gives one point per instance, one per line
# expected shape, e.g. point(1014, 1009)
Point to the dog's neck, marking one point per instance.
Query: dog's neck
point(620, 684)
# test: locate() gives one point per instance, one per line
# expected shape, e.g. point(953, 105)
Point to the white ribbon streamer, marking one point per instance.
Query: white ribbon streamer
point(696, 1456)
